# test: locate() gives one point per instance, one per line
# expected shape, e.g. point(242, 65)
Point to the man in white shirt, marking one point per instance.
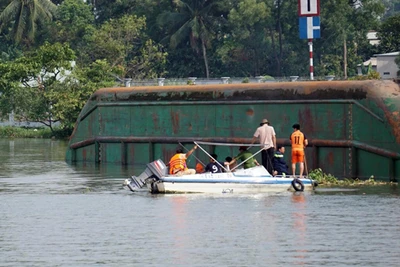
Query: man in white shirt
point(267, 138)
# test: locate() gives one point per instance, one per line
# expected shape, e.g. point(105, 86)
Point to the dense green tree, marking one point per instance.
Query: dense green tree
point(243, 48)
point(74, 20)
point(111, 9)
point(58, 2)
point(24, 17)
point(3, 4)
point(392, 7)
point(182, 62)
point(32, 78)
point(45, 86)
point(193, 21)
point(114, 9)
point(397, 61)
point(289, 52)
point(344, 28)
point(123, 43)
point(389, 34)
point(73, 92)
point(120, 38)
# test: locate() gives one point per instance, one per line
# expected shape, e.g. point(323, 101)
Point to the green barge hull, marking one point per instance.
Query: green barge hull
point(353, 127)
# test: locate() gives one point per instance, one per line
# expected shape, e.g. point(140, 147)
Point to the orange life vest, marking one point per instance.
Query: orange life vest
point(177, 164)
point(297, 139)
point(199, 168)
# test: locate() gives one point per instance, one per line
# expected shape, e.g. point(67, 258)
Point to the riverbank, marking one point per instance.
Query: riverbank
point(25, 132)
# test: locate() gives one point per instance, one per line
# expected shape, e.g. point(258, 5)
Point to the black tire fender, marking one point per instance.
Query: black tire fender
point(154, 187)
point(298, 185)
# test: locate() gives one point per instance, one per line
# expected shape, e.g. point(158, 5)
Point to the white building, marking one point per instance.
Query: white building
point(386, 66)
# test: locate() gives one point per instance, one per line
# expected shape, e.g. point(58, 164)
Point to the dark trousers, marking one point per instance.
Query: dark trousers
point(266, 158)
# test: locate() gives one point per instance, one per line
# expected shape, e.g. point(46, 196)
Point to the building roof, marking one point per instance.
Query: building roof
point(388, 54)
point(372, 60)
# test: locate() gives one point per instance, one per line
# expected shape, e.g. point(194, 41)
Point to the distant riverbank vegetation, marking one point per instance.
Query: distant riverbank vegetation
point(24, 132)
point(56, 53)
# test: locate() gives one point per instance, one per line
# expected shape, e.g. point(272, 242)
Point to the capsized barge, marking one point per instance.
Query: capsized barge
point(353, 126)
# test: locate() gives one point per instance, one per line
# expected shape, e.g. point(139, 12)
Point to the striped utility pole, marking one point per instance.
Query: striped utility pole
point(311, 59)
point(309, 26)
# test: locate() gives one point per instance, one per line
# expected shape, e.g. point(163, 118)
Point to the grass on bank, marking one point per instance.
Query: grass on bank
point(25, 132)
point(329, 180)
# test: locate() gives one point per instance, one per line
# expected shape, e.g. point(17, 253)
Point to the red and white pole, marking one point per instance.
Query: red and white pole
point(311, 59)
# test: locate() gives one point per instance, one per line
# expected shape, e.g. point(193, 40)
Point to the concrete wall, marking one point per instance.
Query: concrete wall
point(386, 65)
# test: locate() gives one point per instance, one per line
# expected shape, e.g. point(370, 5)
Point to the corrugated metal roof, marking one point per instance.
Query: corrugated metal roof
point(372, 60)
point(388, 54)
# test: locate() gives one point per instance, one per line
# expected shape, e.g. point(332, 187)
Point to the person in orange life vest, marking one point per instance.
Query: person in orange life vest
point(177, 164)
point(199, 167)
point(299, 142)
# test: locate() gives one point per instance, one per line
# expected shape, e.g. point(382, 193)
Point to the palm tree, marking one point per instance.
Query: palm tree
point(192, 19)
point(24, 17)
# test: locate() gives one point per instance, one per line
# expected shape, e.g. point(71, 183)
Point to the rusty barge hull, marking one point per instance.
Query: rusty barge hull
point(353, 126)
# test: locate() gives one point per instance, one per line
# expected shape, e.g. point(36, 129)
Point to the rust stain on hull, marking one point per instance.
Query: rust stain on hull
point(175, 122)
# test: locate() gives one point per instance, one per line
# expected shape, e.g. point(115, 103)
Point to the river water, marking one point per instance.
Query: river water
point(54, 214)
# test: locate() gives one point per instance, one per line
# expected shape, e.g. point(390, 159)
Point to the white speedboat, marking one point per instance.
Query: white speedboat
point(155, 179)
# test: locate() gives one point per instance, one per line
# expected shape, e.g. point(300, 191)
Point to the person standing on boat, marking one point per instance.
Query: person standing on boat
point(280, 166)
point(246, 156)
point(177, 164)
point(267, 138)
point(299, 142)
point(214, 166)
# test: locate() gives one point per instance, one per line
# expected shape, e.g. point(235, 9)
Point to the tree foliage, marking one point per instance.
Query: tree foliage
point(45, 86)
point(389, 33)
point(32, 78)
point(123, 43)
point(74, 21)
point(193, 21)
point(25, 16)
point(392, 7)
point(246, 43)
point(73, 92)
point(110, 40)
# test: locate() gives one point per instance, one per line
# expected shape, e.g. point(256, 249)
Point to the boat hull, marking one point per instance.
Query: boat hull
point(224, 188)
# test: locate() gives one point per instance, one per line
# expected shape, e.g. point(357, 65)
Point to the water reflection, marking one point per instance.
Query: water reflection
point(179, 228)
point(299, 226)
point(38, 165)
